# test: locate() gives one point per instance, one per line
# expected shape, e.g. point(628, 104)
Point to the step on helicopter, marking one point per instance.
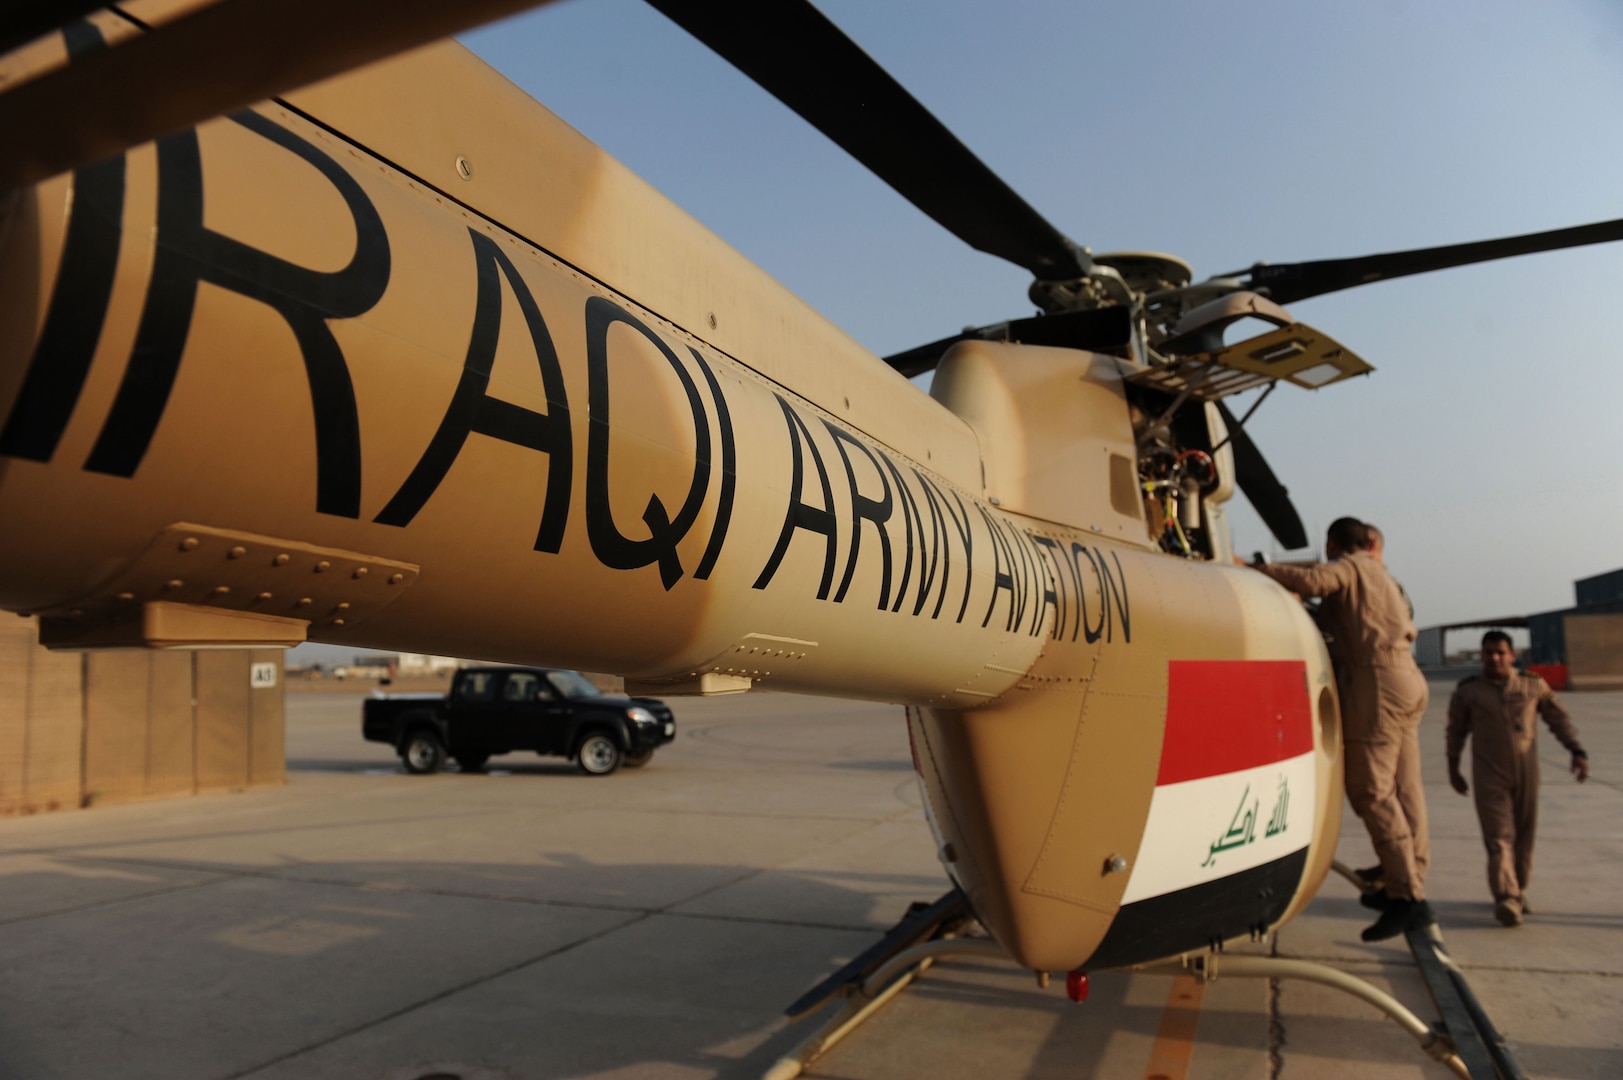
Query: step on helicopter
point(361, 345)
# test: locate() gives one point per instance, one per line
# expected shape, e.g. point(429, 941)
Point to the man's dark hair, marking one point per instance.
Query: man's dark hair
point(1495, 636)
point(1349, 534)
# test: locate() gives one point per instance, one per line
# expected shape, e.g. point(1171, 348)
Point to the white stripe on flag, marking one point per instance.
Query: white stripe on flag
point(1206, 829)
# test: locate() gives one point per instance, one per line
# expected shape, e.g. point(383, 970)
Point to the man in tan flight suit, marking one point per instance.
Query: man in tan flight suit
point(1383, 696)
point(1377, 548)
point(1410, 794)
point(1496, 710)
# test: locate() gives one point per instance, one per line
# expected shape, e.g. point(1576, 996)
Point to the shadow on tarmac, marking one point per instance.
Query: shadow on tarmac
point(354, 968)
point(316, 969)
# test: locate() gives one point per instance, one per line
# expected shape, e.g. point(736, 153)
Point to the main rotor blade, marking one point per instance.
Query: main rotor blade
point(1289, 282)
point(794, 52)
point(1266, 494)
point(204, 63)
point(30, 19)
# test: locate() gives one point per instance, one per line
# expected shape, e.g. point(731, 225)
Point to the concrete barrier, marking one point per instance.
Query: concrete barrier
point(78, 729)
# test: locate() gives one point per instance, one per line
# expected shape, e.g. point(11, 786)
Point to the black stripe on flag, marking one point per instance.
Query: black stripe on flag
point(1192, 919)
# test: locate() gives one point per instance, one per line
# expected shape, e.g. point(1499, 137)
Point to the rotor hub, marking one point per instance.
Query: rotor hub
point(1148, 271)
point(1120, 277)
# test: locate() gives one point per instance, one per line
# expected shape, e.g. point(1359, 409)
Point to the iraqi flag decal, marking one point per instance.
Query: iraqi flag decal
point(1235, 790)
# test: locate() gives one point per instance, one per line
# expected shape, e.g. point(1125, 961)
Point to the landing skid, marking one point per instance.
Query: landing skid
point(926, 933)
point(1464, 1039)
point(1478, 1042)
point(1435, 1041)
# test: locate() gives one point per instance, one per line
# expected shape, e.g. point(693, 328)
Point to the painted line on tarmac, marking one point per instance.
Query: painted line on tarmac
point(1175, 1042)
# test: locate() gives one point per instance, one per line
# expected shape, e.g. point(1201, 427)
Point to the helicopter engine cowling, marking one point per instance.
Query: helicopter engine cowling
point(1153, 791)
point(1167, 775)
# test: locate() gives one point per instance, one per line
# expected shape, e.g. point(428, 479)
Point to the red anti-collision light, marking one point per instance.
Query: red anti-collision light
point(1076, 986)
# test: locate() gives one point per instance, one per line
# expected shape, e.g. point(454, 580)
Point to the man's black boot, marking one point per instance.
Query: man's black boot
point(1375, 899)
point(1400, 915)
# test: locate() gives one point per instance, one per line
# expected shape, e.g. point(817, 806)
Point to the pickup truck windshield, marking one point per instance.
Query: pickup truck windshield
point(572, 684)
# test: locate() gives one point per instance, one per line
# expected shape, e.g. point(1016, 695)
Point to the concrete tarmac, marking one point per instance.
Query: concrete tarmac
point(531, 922)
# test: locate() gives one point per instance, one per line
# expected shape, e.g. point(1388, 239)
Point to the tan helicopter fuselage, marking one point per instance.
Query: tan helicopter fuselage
point(403, 361)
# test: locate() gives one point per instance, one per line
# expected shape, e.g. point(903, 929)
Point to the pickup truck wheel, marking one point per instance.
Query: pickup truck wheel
point(472, 762)
point(637, 761)
point(422, 752)
point(598, 755)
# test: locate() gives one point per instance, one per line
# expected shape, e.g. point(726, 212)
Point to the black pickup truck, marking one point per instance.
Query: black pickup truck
point(493, 710)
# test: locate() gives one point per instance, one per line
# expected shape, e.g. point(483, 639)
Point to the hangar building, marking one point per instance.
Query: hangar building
point(1578, 647)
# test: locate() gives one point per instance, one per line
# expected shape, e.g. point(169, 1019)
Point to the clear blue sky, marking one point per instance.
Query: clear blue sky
point(1484, 444)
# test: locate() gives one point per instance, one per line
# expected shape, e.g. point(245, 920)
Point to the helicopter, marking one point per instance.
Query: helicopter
point(400, 359)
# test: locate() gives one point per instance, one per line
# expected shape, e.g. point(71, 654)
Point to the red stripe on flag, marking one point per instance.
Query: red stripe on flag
point(1228, 715)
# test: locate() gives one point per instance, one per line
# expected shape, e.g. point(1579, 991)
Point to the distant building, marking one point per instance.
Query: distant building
point(1588, 637)
point(1430, 641)
point(418, 664)
point(360, 671)
point(1580, 647)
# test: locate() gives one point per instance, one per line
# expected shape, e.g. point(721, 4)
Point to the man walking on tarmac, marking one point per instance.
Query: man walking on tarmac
point(1496, 710)
point(1383, 696)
